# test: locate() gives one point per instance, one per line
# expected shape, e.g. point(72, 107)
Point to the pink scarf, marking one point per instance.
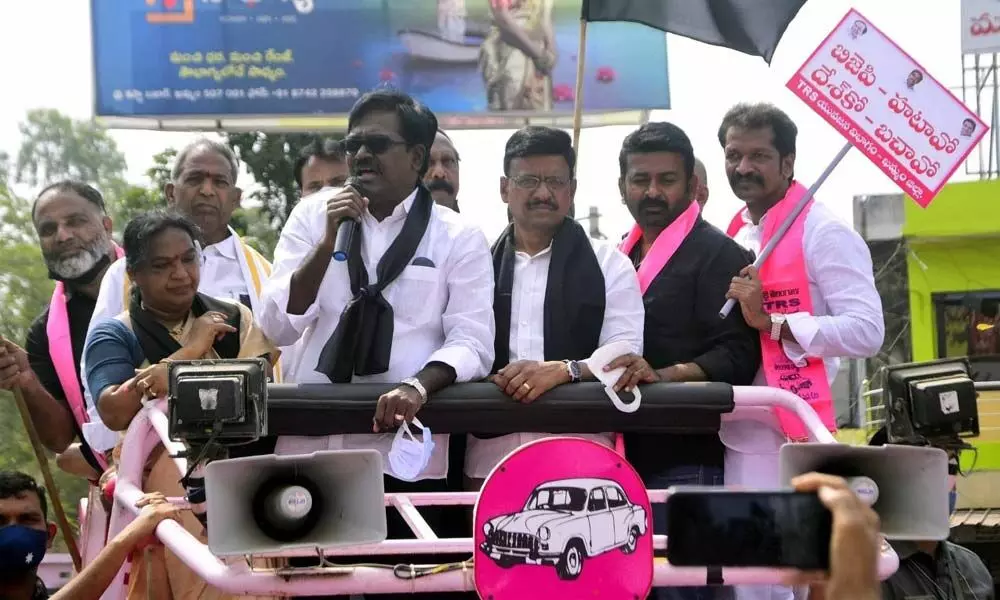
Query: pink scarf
point(664, 247)
point(659, 255)
point(786, 281)
point(61, 353)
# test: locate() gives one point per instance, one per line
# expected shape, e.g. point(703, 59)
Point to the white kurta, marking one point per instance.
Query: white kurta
point(624, 321)
point(442, 308)
point(846, 322)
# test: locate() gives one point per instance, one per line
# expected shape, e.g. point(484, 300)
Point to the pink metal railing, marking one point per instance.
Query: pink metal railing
point(149, 428)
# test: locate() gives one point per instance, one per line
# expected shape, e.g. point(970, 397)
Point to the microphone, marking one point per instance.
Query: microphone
point(346, 229)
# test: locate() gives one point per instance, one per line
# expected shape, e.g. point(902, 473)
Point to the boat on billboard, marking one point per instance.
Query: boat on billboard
point(184, 59)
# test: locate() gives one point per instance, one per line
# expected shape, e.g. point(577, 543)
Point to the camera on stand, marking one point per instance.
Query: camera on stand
point(215, 404)
point(930, 403)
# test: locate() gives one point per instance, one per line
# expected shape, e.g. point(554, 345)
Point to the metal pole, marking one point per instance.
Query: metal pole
point(780, 233)
point(581, 59)
point(50, 484)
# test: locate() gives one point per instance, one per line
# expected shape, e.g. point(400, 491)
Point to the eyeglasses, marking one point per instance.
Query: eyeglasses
point(376, 143)
point(532, 182)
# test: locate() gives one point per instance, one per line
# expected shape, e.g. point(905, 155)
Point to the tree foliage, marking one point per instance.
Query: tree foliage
point(270, 158)
point(136, 199)
point(54, 147)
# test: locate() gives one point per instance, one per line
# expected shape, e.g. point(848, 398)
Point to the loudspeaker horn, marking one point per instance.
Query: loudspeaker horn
point(911, 497)
point(273, 503)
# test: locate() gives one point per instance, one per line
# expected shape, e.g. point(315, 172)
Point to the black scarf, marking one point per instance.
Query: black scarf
point(157, 343)
point(362, 342)
point(574, 296)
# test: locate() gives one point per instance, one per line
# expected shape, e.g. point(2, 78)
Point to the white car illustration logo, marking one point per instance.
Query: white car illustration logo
point(563, 523)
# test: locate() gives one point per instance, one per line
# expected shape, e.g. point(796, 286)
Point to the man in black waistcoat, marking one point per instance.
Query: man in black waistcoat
point(559, 295)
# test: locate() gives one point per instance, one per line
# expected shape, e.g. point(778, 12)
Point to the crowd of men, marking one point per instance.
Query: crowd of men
point(424, 301)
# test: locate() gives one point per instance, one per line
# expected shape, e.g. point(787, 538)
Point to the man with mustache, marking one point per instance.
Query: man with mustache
point(202, 187)
point(560, 296)
point(812, 301)
point(442, 174)
point(411, 305)
point(684, 266)
point(74, 232)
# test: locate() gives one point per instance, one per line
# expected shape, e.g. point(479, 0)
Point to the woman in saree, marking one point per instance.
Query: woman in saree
point(126, 360)
point(517, 57)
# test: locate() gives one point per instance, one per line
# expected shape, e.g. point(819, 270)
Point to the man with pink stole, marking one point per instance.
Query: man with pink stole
point(684, 266)
point(74, 232)
point(812, 301)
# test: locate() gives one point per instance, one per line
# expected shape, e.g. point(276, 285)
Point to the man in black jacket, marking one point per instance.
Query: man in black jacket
point(684, 267)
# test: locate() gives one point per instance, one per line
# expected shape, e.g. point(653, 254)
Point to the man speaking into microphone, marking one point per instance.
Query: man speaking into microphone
point(411, 304)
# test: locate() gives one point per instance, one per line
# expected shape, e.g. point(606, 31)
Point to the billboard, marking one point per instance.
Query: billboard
point(980, 26)
point(476, 63)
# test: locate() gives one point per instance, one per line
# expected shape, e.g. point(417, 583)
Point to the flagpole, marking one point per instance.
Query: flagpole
point(780, 233)
point(50, 483)
point(581, 59)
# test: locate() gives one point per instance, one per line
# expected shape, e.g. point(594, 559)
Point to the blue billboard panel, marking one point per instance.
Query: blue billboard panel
point(186, 58)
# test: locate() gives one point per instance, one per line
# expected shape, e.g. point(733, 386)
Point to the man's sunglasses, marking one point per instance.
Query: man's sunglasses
point(376, 143)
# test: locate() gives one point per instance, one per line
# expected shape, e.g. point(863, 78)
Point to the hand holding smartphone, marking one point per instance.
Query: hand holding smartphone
point(726, 528)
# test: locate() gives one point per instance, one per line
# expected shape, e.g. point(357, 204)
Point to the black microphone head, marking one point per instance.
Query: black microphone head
point(354, 182)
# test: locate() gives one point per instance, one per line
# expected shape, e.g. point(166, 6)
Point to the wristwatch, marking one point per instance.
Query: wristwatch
point(777, 321)
point(575, 371)
point(414, 383)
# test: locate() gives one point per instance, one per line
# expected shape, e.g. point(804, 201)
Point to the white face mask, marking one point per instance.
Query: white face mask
point(408, 457)
point(602, 357)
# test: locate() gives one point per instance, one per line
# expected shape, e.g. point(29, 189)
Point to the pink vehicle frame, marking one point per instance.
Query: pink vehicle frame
point(149, 428)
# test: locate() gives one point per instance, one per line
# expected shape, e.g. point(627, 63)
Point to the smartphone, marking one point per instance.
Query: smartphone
point(729, 528)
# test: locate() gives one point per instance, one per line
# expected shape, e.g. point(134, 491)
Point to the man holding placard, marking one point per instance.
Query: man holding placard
point(813, 300)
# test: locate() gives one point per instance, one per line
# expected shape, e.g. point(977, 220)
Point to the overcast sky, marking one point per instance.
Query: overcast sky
point(47, 63)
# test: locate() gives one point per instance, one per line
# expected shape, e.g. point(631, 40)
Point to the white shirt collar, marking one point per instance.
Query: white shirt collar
point(402, 209)
point(407, 203)
point(525, 255)
point(227, 247)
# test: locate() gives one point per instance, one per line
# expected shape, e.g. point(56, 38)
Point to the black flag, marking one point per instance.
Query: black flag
point(750, 26)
